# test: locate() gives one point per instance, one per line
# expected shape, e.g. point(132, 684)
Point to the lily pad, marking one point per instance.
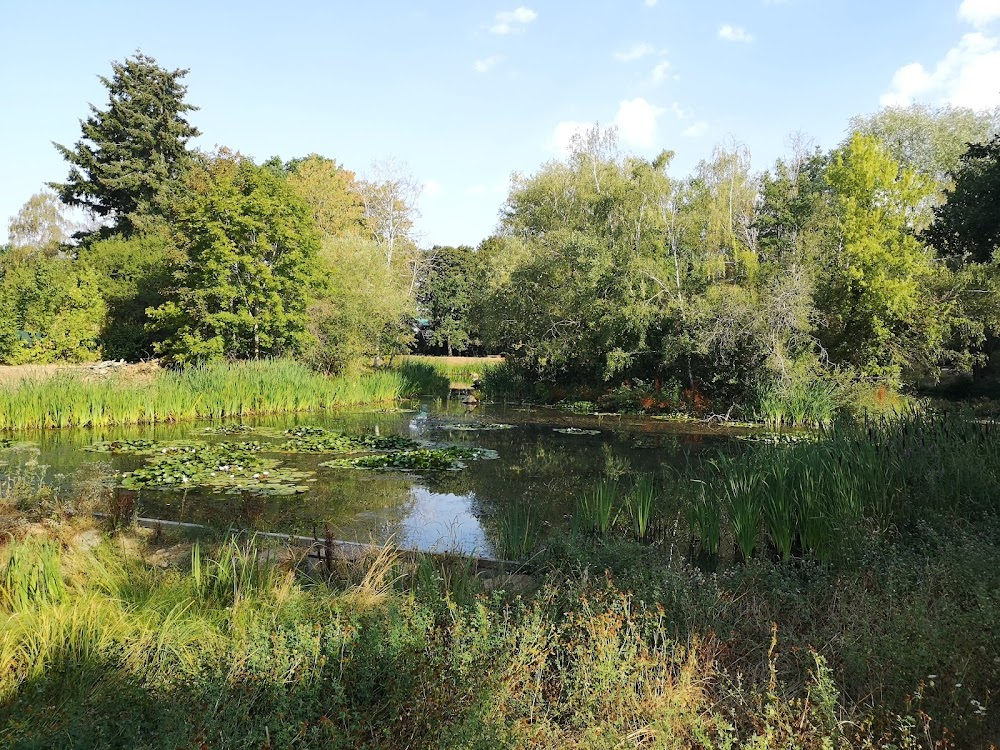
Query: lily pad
point(476, 427)
point(221, 467)
point(140, 447)
point(230, 429)
point(426, 459)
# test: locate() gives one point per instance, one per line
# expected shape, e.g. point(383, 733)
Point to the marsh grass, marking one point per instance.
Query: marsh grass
point(598, 509)
point(226, 390)
point(820, 499)
point(813, 403)
point(519, 528)
point(640, 504)
point(458, 370)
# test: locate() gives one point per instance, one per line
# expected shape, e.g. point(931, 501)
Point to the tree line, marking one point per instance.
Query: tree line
point(863, 269)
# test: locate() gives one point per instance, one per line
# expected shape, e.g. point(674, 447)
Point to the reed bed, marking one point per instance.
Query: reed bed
point(456, 369)
point(215, 391)
point(819, 499)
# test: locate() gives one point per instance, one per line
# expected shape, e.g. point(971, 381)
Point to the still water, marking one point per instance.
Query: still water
point(434, 511)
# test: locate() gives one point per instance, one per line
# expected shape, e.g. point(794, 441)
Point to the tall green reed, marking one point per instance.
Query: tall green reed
point(219, 390)
point(640, 504)
point(597, 509)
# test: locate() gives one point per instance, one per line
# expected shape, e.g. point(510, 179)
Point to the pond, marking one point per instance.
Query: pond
point(544, 457)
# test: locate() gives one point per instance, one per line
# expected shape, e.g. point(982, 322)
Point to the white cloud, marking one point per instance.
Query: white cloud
point(636, 121)
point(979, 12)
point(486, 64)
point(735, 34)
point(510, 21)
point(432, 188)
point(635, 52)
point(696, 130)
point(659, 72)
point(967, 76)
point(650, 3)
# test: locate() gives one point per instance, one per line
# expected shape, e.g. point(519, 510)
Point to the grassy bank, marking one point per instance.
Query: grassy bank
point(215, 391)
point(610, 647)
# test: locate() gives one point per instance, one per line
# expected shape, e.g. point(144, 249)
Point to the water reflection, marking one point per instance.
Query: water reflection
point(449, 511)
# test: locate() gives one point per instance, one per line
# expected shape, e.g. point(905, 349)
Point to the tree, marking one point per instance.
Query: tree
point(448, 285)
point(389, 195)
point(331, 193)
point(134, 275)
point(52, 310)
point(967, 225)
point(132, 150)
point(877, 316)
point(363, 309)
point(250, 248)
point(41, 225)
point(929, 140)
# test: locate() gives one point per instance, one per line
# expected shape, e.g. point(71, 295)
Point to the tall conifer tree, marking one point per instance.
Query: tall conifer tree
point(134, 148)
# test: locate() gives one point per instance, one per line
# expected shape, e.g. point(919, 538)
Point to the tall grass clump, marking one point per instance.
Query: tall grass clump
point(519, 529)
point(32, 576)
point(640, 504)
point(819, 499)
point(597, 509)
point(422, 378)
point(219, 390)
point(809, 403)
point(462, 370)
point(505, 382)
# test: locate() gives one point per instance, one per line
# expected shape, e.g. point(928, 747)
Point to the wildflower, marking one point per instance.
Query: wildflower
point(958, 684)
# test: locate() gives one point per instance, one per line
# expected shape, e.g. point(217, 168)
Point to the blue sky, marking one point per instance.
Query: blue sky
point(465, 93)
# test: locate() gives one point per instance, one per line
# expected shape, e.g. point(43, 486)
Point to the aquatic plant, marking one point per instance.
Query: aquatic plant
point(476, 427)
point(640, 503)
point(423, 459)
point(218, 467)
point(596, 510)
point(217, 391)
point(519, 529)
point(575, 431)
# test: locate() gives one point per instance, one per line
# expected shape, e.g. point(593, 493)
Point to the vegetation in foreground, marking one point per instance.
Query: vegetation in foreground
point(607, 642)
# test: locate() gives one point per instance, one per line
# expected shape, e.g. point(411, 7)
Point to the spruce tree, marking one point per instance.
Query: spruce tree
point(132, 150)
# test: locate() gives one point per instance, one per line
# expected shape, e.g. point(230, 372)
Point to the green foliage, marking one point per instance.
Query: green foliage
point(967, 226)
point(133, 275)
point(363, 307)
point(132, 152)
point(929, 140)
point(331, 193)
point(53, 310)
point(878, 317)
point(40, 225)
point(450, 281)
point(243, 287)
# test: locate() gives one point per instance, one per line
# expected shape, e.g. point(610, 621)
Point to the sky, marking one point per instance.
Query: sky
point(465, 93)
